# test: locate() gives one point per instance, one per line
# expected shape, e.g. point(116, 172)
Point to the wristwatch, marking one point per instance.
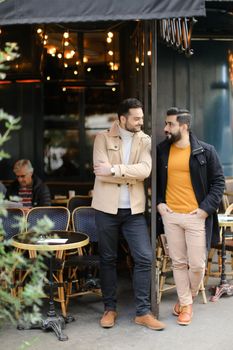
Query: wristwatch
point(112, 171)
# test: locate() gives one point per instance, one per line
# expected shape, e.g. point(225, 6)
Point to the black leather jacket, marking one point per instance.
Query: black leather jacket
point(40, 192)
point(207, 179)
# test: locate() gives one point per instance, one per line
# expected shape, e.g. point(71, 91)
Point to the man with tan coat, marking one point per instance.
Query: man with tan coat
point(122, 161)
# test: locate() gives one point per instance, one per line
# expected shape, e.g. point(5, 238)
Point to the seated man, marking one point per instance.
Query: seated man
point(29, 187)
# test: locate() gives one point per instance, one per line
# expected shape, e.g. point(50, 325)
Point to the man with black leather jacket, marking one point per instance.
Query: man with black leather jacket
point(28, 187)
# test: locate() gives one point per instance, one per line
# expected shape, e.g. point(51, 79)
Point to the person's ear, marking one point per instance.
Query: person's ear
point(122, 119)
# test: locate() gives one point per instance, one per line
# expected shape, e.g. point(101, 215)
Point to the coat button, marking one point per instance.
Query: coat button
point(115, 146)
point(118, 185)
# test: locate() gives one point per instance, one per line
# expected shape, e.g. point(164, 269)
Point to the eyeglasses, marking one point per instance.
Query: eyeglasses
point(21, 176)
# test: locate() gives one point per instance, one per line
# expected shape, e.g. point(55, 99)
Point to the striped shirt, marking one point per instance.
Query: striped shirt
point(26, 194)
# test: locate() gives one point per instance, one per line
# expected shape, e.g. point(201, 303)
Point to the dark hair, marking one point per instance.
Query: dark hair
point(126, 104)
point(183, 116)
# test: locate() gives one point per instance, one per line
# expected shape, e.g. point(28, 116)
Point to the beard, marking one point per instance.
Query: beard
point(172, 138)
point(132, 128)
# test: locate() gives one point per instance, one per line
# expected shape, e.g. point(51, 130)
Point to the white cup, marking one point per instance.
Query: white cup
point(71, 194)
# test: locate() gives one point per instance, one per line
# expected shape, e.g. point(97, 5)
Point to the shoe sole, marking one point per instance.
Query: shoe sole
point(107, 326)
point(153, 328)
point(184, 323)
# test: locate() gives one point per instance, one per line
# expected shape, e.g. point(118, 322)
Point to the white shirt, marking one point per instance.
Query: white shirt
point(127, 138)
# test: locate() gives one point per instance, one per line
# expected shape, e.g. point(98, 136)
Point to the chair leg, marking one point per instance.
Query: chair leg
point(162, 278)
point(209, 264)
point(202, 290)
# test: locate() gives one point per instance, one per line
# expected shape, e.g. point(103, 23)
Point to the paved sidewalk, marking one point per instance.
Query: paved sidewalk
point(211, 328)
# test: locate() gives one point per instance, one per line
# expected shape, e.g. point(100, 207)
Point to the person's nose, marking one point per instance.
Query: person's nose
point(166, 128)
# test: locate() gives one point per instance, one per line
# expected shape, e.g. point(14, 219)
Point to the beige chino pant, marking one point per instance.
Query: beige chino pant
point(186, 240)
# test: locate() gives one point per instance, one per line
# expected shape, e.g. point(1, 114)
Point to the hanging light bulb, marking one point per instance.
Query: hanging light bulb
point(110, 34)
point(39, 30)
point(66, 43)
point(109, 40)
point(110, 52)
point(51, 50)
point(66, 35)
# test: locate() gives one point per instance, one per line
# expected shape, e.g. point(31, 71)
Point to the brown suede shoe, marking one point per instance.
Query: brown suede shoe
point(149, 321)
point(108, 319)
point(186, 314)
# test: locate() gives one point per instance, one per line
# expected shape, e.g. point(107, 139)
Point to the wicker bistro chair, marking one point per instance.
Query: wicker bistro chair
point(78, 201)
point(11, 223)
point(217, 248)
point(83, 267)
point(60, 216)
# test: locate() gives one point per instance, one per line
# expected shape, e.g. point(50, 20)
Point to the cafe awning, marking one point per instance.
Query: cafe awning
point(55, 11)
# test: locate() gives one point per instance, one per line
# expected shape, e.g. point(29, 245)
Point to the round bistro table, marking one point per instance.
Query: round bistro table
point(58, 242)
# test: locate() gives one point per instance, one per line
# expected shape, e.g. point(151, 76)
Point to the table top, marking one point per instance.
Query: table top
point(225, 220)
point(54, 240)
point(59, 201)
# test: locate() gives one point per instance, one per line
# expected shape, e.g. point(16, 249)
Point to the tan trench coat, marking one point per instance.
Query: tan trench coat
point(108, 148)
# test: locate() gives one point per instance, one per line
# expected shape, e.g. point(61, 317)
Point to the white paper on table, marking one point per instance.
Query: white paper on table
point(53, 240)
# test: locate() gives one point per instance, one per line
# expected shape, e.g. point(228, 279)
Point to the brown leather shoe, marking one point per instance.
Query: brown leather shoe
point(108, 319)
point(176, 309)
point(186, 314)
point(149, 321)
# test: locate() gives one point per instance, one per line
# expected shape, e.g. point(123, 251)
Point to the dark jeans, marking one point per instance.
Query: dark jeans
point(134, 229)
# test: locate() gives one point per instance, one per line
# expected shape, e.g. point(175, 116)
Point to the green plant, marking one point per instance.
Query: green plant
point(28, 305)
